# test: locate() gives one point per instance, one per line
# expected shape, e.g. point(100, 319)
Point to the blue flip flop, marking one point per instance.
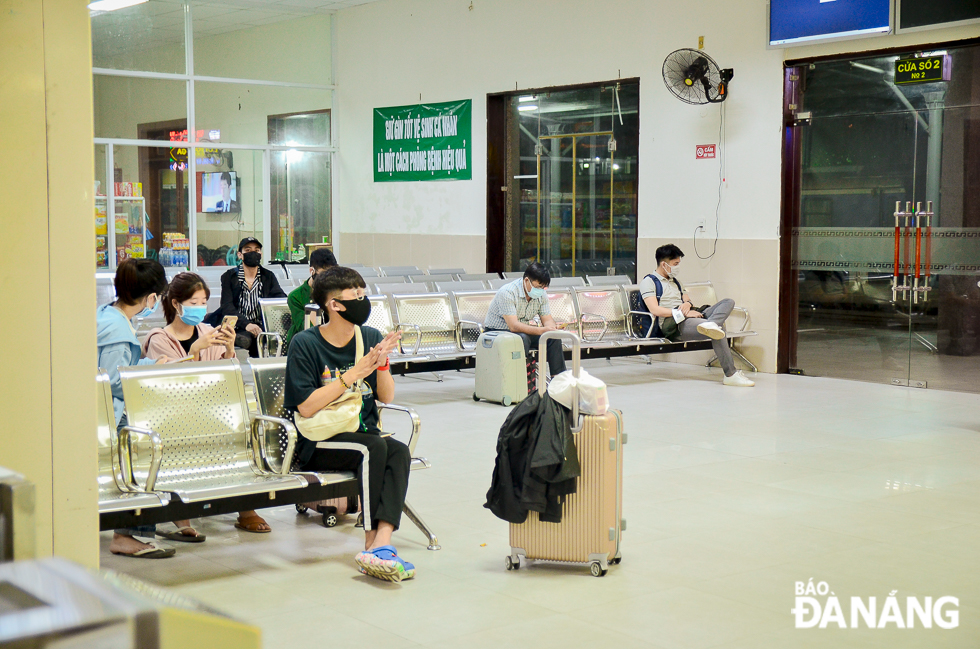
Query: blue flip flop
point(384, 563)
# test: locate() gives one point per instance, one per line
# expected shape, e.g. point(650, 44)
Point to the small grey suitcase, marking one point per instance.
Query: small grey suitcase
point(501, 371)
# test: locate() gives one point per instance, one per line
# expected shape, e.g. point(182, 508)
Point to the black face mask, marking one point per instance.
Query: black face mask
point(357, 311)
point(252, 259)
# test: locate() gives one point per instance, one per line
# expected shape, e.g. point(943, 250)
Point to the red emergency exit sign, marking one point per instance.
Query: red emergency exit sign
point(704, 151)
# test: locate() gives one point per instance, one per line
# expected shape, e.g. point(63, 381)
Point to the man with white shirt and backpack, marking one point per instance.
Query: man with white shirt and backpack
point(677, 319)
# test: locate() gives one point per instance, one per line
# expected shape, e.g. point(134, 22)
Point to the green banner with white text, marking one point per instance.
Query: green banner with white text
point(423, 142)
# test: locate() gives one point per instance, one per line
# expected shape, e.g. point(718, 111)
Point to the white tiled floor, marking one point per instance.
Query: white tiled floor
point(732, 495)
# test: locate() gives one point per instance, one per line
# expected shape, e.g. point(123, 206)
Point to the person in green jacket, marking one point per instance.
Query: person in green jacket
point(320, 260)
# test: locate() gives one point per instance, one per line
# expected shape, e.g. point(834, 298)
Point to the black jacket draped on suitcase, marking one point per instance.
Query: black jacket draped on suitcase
point(536, 462)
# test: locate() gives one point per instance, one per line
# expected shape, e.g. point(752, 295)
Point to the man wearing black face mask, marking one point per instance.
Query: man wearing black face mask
point(241, 290)
point(321, 366)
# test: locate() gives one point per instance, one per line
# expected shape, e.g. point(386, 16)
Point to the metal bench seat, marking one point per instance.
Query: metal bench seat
point(212, 446)
point(428, 326)
point(270, 384)
point(276, 321)
point(115, 493)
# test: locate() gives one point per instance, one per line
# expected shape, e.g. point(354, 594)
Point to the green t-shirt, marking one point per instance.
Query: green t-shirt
point(312, 362)
point(298, 298)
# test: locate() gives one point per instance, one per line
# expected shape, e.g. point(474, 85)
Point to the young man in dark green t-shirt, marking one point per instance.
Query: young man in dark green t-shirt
point(320, 260)
point(320, 367)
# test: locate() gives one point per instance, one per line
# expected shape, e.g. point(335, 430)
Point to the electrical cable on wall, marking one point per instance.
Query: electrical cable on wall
point(722, 152)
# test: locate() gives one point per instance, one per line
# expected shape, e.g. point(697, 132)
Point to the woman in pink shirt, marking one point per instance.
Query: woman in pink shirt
point(185, 305)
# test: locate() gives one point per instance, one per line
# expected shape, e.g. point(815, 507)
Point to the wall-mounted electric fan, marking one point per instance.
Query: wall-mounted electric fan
point(694, 77)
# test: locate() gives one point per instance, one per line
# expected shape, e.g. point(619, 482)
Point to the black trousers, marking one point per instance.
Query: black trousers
point(381, 465)
point(245, 340)
point(556, 355)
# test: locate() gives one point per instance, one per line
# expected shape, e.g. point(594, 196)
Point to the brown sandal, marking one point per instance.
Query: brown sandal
point(251, 524)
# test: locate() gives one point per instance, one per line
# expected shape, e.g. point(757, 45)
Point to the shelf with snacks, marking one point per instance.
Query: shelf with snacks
point(124, 235)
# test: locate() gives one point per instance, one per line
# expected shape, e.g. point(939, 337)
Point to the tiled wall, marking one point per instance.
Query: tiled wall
point(422, 250)
point(746, 270)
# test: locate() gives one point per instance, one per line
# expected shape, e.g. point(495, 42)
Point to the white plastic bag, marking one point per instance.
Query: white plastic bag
point(592, 397)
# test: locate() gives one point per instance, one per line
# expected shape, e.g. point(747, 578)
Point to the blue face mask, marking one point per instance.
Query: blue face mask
point(147, 312)
point(193, 315)
point(535, 293)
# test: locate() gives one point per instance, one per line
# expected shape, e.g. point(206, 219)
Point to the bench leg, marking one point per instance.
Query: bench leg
point(745, 360)
point(419, 523)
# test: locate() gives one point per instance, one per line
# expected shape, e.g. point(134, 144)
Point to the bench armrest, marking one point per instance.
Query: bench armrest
point(125, 450)
point(258, 441)
point(595, 317)
point(745, 316)
point(418, 336)
point(416, 422)
point(629, 324)
point(269, 335)
point(460, 324)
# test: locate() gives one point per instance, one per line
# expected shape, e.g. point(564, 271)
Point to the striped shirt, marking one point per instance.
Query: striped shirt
point(511, 300)
point(249, 306)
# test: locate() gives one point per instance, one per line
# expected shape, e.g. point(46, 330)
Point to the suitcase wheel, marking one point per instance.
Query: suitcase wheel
point(616, 561)
point(360, 520)
point(301, 509)
point(596, 569)
point(330, 519)
point(506, 401)
point(511, 564)
point(475, 398)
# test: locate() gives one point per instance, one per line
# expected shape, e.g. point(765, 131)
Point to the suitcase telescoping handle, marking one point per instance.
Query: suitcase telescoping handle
point(576, 368)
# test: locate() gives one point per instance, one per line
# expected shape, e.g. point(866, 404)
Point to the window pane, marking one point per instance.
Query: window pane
point(139, 108)
point(300, 202)
point(229, 204)
point(274, 43)
point(239, 113)
point(148, 37)
point(101, 222)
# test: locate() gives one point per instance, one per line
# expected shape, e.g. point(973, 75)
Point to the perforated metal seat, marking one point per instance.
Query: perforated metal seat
point(471, 315)
point(276, 321)
point(270, 382)
point(602, 315)
point(115, 492)
point(427, 325)
point(212, 446)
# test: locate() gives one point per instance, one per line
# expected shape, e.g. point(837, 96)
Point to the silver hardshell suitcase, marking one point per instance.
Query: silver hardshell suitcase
point(501, 371)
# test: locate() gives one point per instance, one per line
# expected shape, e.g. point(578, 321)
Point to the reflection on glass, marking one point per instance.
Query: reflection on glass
point(573, 203)
point(228, 204)
point(872, 145)
point(236, 42)
point(300, 201)
point(239, 113)
point(148, 37)
point(122, 104)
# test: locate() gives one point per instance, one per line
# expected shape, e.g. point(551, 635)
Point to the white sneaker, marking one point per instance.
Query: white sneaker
point(711, 330)
point(739, 380)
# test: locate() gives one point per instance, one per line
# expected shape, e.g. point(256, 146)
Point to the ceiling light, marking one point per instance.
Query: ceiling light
point(526, 98)
point(112, 5)
point(528, 107)
point(616, 167)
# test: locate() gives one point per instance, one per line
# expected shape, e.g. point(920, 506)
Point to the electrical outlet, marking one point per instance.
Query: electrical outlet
point(701, 223)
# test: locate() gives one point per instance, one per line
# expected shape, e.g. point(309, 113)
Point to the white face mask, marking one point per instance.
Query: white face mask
point(670, 271)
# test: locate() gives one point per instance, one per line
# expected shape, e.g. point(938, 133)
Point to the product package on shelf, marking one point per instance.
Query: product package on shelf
point(129, 189)
point(121, 254)
point(101, 259)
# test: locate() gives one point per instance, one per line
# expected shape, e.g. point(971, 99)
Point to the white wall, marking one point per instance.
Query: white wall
point(397, 52)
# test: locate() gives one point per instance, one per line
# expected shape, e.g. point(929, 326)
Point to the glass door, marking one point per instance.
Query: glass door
point(574, 204)
point(572, 161)
point(887, 248)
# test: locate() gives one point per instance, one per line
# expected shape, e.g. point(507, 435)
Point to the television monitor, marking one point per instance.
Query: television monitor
point(793, 22)
point(219, 192)
point(922, 14)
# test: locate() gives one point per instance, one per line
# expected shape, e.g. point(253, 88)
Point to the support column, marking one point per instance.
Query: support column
point(47, 386)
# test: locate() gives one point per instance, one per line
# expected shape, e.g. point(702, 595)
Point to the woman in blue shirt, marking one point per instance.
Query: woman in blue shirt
point(139, 284)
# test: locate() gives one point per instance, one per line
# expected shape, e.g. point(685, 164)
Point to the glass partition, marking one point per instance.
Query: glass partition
point(574, 170)
point(148, 37)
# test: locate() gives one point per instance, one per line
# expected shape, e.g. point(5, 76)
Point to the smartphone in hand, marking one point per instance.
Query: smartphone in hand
point(229, 321)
